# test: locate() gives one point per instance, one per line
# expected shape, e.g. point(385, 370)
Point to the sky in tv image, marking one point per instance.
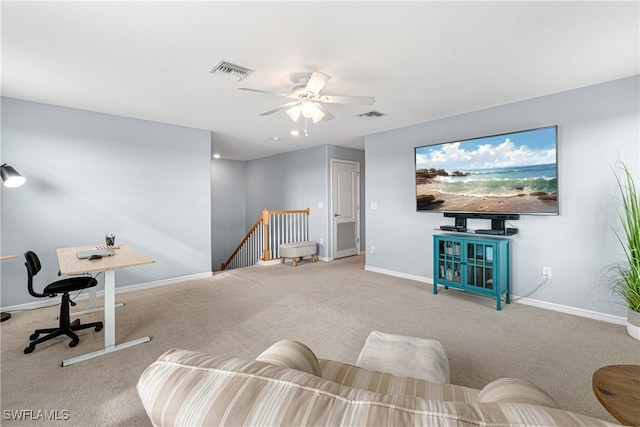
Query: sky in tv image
point(513, 172)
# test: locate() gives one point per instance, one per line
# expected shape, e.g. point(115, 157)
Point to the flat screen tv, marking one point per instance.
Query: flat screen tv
point(513, 172)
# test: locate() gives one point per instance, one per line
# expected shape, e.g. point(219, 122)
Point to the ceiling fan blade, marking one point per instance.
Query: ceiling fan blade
point(317, 82)
point(280, 108)
point(340, 99)
point(247, 89)
point(327, 114)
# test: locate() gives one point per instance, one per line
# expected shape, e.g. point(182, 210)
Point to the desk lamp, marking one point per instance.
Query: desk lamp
point(11, 179)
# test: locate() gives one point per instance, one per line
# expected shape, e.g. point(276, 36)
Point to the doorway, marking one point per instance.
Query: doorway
point(345, 208)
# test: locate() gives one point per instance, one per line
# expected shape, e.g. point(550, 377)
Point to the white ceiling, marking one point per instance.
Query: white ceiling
point(421, 60)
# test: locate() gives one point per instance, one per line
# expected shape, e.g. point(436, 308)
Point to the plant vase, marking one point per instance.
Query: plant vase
point(633, 324)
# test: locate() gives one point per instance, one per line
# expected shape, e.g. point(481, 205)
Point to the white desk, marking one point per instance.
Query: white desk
point(6, 316)
point(124, 257)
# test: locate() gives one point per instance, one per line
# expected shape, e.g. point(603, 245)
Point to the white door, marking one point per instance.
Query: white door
point(345, 205)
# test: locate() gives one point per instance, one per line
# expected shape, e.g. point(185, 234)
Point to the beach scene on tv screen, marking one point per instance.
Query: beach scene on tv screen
point(509, 173)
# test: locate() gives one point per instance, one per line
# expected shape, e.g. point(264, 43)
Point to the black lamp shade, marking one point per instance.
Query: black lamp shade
point(11, 177)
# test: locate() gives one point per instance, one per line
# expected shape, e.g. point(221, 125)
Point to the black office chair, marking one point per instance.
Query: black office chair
point(63, 287)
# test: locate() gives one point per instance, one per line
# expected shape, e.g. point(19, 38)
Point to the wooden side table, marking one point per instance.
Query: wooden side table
point(617, 387)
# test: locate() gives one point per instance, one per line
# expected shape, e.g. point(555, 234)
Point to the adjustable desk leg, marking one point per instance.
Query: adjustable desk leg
point(109, 324)
point(92, 298)
point(93, 304)
point(109, 308)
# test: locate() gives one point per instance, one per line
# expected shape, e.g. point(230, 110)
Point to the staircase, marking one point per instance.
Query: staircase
point(263, 240)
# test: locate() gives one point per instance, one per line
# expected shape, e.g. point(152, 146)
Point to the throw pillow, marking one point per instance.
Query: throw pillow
point(515, 390)
point(405, 356)
point(291, 354)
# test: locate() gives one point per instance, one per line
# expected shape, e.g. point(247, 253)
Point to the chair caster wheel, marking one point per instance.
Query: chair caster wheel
point(29, 349)
point(74, 343)
point(34, 337)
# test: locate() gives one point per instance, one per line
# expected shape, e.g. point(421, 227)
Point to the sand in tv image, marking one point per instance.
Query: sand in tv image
point(514, 173)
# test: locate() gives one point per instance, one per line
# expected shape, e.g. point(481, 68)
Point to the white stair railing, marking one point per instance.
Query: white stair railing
point(263, 240)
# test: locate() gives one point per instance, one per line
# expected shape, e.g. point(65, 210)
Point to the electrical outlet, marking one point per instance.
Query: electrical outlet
point(546, 272)
point(373, 249)
point(321, 241)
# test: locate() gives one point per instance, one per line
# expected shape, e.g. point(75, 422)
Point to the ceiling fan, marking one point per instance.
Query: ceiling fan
point(309, 101)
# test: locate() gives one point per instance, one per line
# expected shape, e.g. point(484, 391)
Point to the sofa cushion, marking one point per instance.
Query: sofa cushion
point(515, 390)
point(386, 383)
point(198, 389)
point(291, 354)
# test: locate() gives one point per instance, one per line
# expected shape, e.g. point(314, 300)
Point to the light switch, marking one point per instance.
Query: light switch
point(320, 205)
point(374, 206)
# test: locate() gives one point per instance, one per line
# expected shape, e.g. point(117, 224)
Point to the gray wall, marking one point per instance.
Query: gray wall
point(89, 174)
point(298, 180)
point(597, 126)
point(228, 208)
point(295, 180)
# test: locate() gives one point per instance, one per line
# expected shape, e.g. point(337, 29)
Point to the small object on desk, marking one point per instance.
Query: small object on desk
point(106, 247)
point(89, 253)
point(95, 257)
point(110, 239)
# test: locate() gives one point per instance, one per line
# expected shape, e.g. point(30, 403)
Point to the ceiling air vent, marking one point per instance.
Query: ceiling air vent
point(372, 114)
point(231, 70)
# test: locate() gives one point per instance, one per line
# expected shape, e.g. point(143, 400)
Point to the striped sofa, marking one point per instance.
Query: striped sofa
point(288, 386)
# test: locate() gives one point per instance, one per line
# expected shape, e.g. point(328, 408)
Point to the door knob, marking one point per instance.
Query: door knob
point(335, 215)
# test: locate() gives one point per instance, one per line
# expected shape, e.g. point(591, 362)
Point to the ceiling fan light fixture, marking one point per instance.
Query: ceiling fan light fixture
point(317, 115)
point(294, 113)
point(309, 100)
point(309, 109)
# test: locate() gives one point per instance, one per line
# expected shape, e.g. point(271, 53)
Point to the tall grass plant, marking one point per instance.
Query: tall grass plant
point(626, 281)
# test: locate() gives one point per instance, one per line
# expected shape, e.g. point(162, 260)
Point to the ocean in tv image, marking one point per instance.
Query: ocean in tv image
point(515, 173)
point(500, 182)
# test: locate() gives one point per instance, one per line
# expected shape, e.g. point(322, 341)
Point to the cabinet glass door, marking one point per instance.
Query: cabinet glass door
point(480, 265)
point(449, 262)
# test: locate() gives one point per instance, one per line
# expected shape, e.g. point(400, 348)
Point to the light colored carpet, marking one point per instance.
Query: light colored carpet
point(330, 306)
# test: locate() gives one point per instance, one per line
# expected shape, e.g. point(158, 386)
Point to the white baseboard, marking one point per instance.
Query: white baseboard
point(398, 274)
point(618, 320)
point(164, 282)
point(85, 295)
point(610, 318)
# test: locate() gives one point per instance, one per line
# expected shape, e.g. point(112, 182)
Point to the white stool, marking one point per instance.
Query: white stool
point(405, 357)
point(298, 250)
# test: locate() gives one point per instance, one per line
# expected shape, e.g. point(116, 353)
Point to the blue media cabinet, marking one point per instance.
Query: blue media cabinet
point(473, 264)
